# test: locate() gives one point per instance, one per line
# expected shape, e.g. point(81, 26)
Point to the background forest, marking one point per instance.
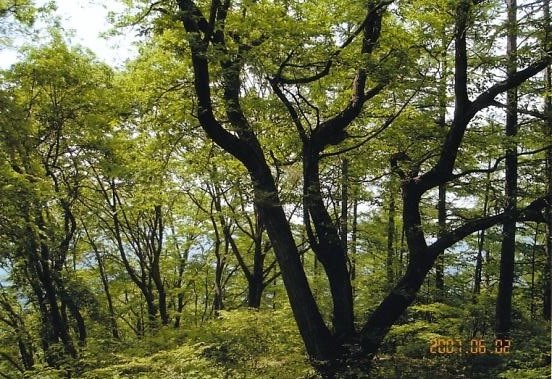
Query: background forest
point(279, 189)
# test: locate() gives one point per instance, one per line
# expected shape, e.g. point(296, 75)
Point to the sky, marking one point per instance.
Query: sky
point(86, 20)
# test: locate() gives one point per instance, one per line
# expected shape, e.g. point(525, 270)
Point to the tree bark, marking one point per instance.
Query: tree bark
point(440, 263)
point(344, 216)
point(105, 284)
point(390, 261)
point(442, 191)
point(481, 239)
point(14, 320)
point(256, 283)
point(220, 263)
point(245, 147)
point(55, 327)
point(110, 306)
point(503, 319)
point(240, 141)
point(354, 234)
point(68, 301)
point(547, 276)
point(328, 247)
point(155, 248)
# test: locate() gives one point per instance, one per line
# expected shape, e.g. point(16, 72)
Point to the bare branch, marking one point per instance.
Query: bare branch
point(369, 43)
point(533, 212)
point(374, 134)
point(494, 167)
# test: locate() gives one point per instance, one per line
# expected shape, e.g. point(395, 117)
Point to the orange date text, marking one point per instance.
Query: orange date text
point(473, 346)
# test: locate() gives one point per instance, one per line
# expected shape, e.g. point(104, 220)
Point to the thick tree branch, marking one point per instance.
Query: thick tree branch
point(487, 98)
point(533, 212)
point(281, 79)
point(494, 167)
point(194, 23)
point(375, 133)
point(332, 131)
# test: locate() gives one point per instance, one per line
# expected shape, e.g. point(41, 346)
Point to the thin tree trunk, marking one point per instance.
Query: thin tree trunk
point(110, 307)
point(354, 233)
point(481, 239)
point(390, 261)
point(220, 262)
point(503, 320)
point(155, 247)
point(183, 254)
point(255, 284)
point(59, 324)
point(442, 196)
point(440, 263)
point(26, 352)
point(105, 284)
point(49, 295)
point(547, 304)
point(343, 219)
point(68, 301)
point(533, 269)
point(15, 320)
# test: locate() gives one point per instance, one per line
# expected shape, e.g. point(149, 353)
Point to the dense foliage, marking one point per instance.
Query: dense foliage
point(280, 189)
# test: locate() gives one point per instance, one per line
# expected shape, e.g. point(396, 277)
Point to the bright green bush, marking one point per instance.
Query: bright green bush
point(237, 344)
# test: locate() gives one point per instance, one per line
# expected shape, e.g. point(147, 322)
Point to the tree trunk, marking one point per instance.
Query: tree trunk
point(533, 271)
point(440, 263)
point(404, 292)
point(105, 285)
point(110, 307)
point(149, 297)
point(220, 262)
point(390, 261)
point(481, 239)
point(14, 319)
point(503, 319)
point(218, 303)
point(26, 352)
point(182, 261)
point(344, 216)
point(328, 247)
point(318, 340)
point(354, 233)
point(442, 191)
point(55, 328)
point(68, 301)
point(547, 304)
point(393, 306)
point(145, 236)
point(155, 248)
point(255, 283)
point(59, 325)
point(162, 300)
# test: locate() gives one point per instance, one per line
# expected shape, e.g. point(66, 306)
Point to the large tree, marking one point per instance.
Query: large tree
point(297, 120)
point(324, 79)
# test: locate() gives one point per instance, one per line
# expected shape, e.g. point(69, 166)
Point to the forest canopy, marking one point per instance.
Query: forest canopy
point(279, 189)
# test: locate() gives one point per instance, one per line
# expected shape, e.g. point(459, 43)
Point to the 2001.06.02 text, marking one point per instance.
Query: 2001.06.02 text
point(475, 346)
